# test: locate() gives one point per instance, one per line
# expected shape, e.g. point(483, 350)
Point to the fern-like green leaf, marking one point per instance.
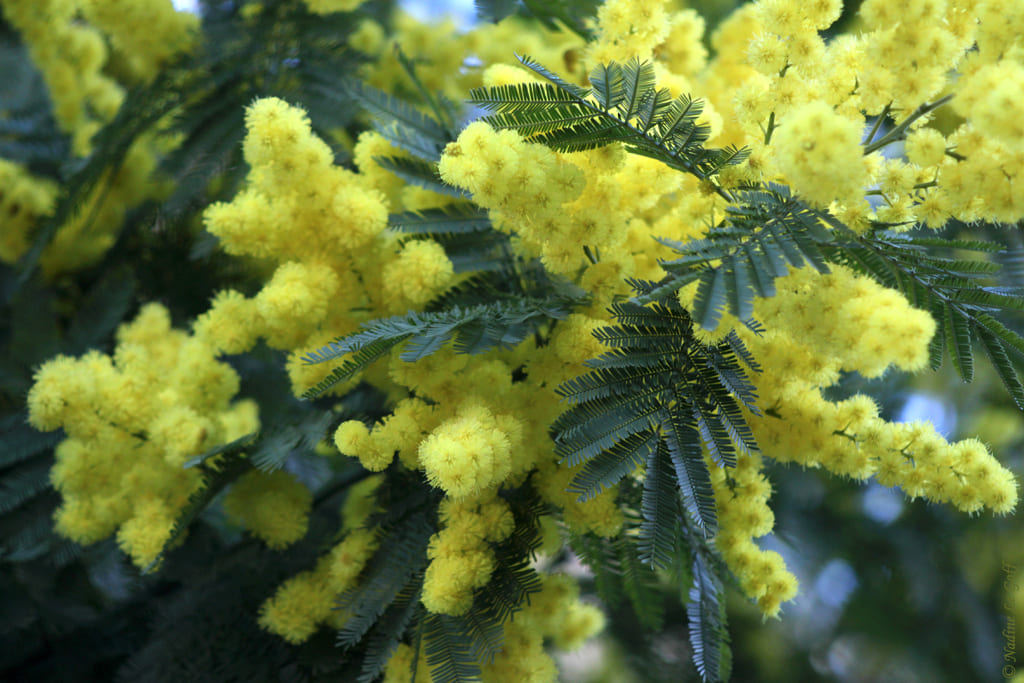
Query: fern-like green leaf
point(619, 575)
point(657, 391)
point(384, 636)
point(400, 122)
point(708, 633)
point(449, 650)
point(19, 442)
point(659, 533)
point(475, 329)
point(452, 219)
point(767, 231)
point(948, 287)
point(420, 173)
point(624, 106)
point(390, 573)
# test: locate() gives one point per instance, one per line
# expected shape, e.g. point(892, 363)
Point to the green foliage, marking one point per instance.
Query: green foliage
point(951, 289)
point(475, 329)
point(570, 13)
point(657, 398)
point(282, 51)
point(623, 106)
point(764, 233)
point(28, 131)
point(620, 576)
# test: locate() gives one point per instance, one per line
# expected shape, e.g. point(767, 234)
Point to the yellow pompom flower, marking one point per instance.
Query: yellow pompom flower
point(144, 535)
point(993, 100)
point(466, 454)
point(273, 506)
point(819, 152)
point(925, 147)
point(298, 607)
point(421, 271)
point(231, 324)
point(450, 580)
point(347, 559)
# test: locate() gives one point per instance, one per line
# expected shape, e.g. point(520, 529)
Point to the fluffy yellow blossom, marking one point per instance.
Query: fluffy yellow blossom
point(306, 600)
point(421, 272)
point(629, 29)
point(274, 506)
point(147, 34)
point(819, 152)
point(131, 422)
point(230, 324)
point(143, 536)
point(925, 147)
point(298, 607)
point(993, 100)
point(329, 6)
point(467, 454)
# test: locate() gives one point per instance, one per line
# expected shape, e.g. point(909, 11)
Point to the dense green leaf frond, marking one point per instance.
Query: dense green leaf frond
point(659, 532)
point(452, 219)
point(23, 482)
point(400, 122)
point(384, 636)
point(420, 173)
point(475, 329)
point(765, 233)
point(658, 393)
point(284, 439)
point(623, 106)
point(449, 650)
point(620, 576)
point(391, 571)
point(20, 442)
point(951, 289)
point(707, 623)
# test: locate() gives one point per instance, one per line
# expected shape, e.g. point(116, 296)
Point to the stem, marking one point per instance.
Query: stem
point(878, 123)
point(771, 128)
point(900, 131)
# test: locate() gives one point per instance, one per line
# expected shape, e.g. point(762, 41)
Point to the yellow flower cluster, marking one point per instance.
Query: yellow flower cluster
point(274, 506)
point(904, 56)
point(72, 56)
point(460, 559)
point(324, 227)
point(305, 601)
point(466, 455)
point(23, 200)
point(555, 614)
point(146, 35)
point(131, 423)
point(554, 203)
point(818, 326)
point(741, 497)
point(848, 437)
point(819, 152)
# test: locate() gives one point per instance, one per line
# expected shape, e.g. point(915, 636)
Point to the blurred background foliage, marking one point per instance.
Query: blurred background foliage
point(891, 589)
